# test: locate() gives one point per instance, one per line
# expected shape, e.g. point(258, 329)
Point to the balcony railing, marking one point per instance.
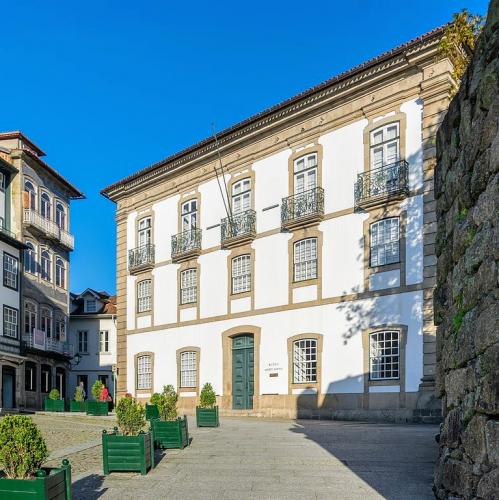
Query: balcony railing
point(6, 231)
point(38, 340)
point(48, 228)
point(303, 208)
point(238, 228)
point(141, 257)
point(378, 185)
point(186, 244)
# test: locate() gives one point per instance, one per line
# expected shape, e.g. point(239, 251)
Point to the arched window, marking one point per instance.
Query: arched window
point(241, 274)
point(30, 258)
point(45, 205)
point(305, 173)
point(30, 317)
point(30, 191)
point(384, 355)
point(144, 295)
point(241, 196)
point(60, 273)
point(60, 215)
point(46, 266)
point(46, 321)
point(188, 365)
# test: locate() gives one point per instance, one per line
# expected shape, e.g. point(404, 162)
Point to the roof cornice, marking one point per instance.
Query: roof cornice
point(400, 57)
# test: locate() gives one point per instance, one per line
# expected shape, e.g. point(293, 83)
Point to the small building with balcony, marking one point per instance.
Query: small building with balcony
point(41, 199)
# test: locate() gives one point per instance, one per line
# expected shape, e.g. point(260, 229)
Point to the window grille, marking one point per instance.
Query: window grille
point(188, 286)
point(384, 355)
point(188, 374)
point(10, 271)
point(385, 236)
point(241, 274)
point(144, 296)
point(10, 321)
point(144, 372)
point(305, 361)
point(305, 259)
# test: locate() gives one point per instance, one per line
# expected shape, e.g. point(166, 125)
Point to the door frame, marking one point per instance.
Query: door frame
point(248, 359)
point(227, 337)
point(13, 372)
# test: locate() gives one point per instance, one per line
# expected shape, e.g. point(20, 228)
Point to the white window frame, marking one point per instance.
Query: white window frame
point(188, 369)
point(305, 259)
point(380, 142)
point(10, 322)
point(305, 361)
point(60, 327)
point(384, 355)
point(189, 286)
point(305, 170)
point(91, 308)
point(144, 372)
point(46, 321)
point(45, 206)
point(241, 196)
point(144, 233)
point(144, 295)
point(31, 189)
point(10, 271)
point(189, 214)
point(60, 273)
point(46, 266)
point(241, 274)
point(104, 341)
point(384, 245)
point(60, 215)
point(83, 341)
point(30, 260)
point(31, 322)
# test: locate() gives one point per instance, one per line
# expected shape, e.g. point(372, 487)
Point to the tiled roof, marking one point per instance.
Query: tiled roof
point(269, 111)
point(17, 134)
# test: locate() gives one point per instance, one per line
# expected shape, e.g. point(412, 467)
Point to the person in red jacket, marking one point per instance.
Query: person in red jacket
point(104, 393)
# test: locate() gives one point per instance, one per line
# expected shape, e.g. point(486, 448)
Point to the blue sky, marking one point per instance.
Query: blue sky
point(109, 87)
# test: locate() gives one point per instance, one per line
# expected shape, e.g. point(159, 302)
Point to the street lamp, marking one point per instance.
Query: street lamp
point(76, 359)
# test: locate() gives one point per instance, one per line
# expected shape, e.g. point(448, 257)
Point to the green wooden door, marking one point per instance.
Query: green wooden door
point(242, 372)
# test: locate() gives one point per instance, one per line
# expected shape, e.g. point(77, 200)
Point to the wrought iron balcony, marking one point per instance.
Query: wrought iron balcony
point(238, 228)
point(38, 340)
point(141, 258)
point(382, 184)
point(186, 245)
point(47, 228)
point(302, 209)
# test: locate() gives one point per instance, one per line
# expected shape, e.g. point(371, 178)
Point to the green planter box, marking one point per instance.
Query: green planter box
point(96, 408)
point(170, 434)
point(77, 406)
point(207, 417)
point(127, 453)
point(50, 484)
point(152, 412)
point(53, 404)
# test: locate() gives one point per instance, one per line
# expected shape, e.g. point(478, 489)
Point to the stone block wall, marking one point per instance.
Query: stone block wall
point(467, 293)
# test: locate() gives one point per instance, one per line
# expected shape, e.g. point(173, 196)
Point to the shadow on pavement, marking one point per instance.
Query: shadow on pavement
point(88, 488)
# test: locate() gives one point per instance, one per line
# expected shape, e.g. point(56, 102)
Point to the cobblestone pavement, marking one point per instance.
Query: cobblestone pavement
point(260, 459)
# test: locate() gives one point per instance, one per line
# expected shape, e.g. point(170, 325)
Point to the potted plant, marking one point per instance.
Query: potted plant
point(168, 430)
point(128, 447)
point(54, 401)
point(152, 410)
point(22, 453)
point(97, 406)
point(207, 411)
point(78, 402)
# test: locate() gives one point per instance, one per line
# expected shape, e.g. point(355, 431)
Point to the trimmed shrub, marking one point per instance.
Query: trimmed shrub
point(130, 416)
point(167, 403)
point(54, 394)
point(155, 398)
point(207, 398)
point(22, 447)
point(97, 389)
point(79, 394)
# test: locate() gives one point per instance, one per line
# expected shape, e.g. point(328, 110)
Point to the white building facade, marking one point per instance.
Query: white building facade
point(299, 281)
point(92, 332)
